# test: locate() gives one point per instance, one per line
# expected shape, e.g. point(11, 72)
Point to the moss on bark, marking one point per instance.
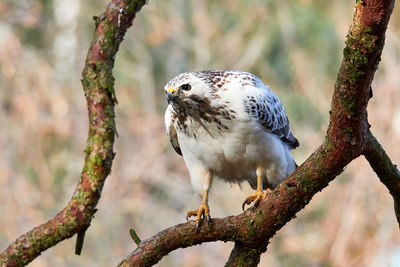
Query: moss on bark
point(98, 84)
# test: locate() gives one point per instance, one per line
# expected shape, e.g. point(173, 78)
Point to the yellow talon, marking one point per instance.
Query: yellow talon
point(203, 211)
point(259, 194)
point(256, 198)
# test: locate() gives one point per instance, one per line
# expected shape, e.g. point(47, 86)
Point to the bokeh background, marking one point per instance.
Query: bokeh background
point(294, 46)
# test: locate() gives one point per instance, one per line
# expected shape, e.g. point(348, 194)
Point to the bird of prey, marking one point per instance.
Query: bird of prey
point(228, 125)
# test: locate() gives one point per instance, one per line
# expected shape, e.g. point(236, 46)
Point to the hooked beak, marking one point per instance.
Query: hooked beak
point(171, 95)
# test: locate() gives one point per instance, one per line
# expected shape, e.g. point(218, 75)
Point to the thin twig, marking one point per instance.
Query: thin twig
point(134, 236)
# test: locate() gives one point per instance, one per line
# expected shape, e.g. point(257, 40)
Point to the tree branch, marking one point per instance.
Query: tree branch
point(345, 140)
point(98, 84)
point(245, 256)
point(250, 229)
point(385, 169)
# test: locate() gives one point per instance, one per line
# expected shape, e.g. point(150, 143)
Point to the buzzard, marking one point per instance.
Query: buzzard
point(228, 125)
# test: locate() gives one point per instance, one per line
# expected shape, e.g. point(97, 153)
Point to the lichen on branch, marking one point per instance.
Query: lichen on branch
point(98, 85)
point(346, 139)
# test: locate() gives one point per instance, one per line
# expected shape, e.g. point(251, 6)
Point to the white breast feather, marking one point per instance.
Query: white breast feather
point(258, 134)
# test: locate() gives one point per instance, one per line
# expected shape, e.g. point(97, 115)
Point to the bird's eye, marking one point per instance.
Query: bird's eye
point(186, 87)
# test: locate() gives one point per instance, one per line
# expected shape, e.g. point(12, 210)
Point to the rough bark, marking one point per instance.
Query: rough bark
point(347, 138)
point(98, 84)
point(386, 171)
point(244, 256)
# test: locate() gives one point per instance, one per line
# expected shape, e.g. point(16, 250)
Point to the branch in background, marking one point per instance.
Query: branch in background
point(244, 256)
point(385, 169)
point(346, 139)
point(98, 84)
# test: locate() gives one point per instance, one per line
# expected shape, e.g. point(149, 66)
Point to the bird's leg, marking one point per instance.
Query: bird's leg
point(259, 194)
point(203, 210)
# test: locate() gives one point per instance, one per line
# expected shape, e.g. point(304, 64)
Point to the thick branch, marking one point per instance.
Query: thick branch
point(346, 139)
point(98, 84)
point(385, 169)
point(244, 256)
point(250, 229)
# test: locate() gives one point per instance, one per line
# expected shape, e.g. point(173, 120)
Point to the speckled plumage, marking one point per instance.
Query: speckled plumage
point(227, 125)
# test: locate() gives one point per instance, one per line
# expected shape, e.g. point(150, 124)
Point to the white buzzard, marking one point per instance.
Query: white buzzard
point(228, 125)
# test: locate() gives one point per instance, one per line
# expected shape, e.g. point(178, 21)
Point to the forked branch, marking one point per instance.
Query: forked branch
point(385, 169)
point(346, 139)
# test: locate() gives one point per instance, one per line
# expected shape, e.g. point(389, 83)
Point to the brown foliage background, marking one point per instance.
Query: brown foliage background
point(294, 46)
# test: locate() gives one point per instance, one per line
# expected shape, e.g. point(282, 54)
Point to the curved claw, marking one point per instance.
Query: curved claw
point(257, 197)
point(202, 212)
point(254, 207)
point(248, 200)
point(198, 227)
point(256, 202)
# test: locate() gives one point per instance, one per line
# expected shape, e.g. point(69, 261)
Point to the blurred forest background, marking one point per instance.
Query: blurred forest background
point(294, 46)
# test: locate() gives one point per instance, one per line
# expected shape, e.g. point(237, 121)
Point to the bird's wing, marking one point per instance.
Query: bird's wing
point(171, 131)
point(263, 105)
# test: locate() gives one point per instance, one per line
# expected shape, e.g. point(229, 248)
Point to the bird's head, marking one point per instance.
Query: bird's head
point(187, 89)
